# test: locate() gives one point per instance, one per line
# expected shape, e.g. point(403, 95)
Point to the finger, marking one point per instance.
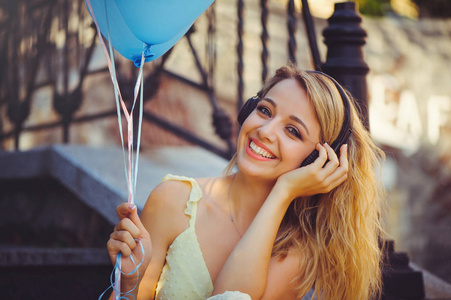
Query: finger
point(115, 246)
point(333, 162)
point(125, 237)
point(339, 181)
point(130, 211)
point(342, 168)
point(127, 225)
point(344, 156)
point(340, 174)
point(137, 221)
point(335, 180)
point(124, 210)
point(343, 160)
point(322, 156)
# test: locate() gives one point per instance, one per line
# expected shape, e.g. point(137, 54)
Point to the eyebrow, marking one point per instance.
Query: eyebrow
point(292, 117)
point(270, 101)
point(296, 119)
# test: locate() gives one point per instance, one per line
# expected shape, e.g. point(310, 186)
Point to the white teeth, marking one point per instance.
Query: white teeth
point(260, 151)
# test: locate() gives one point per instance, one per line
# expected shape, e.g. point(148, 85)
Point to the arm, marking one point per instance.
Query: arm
point(247, 268)
point(165, 202)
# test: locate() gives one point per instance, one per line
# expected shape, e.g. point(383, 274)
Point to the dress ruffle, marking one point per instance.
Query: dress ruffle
point(195, 195)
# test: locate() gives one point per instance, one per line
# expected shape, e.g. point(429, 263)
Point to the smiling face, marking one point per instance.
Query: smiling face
point(279, 134)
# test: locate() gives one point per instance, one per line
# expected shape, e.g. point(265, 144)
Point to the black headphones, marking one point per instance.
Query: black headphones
point(343, 136)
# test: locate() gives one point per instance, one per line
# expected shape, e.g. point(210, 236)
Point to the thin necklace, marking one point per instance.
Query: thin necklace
point(232, 218)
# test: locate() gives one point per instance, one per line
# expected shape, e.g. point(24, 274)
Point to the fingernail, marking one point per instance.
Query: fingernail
point(131, 206)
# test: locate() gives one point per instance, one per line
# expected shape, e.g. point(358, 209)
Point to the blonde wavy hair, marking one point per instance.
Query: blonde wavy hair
point(337, 234)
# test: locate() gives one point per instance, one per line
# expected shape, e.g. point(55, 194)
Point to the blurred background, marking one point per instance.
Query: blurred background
point(58, 114)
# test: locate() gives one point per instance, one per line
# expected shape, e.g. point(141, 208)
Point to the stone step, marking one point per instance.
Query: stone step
point(97, 175)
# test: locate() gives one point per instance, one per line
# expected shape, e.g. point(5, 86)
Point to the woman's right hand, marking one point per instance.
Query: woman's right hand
point(123, 238)
point(326, 173)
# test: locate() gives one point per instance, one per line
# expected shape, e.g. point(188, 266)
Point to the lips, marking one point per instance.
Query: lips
point(257, 150)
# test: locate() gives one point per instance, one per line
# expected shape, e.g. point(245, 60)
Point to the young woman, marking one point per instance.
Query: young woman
point(272, 229)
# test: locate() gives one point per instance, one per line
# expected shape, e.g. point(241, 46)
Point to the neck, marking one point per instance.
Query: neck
point(247, 195)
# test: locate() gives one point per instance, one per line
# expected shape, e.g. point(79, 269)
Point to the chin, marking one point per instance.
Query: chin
point(256, 171)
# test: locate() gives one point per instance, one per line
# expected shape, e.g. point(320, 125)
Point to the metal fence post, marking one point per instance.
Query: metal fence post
point(345, 38)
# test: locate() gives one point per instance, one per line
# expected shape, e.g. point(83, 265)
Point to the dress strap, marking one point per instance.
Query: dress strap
point(194, 196)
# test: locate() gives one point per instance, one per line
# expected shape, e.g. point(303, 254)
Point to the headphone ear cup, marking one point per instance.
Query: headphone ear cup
point(247, 109)
point(310, 159)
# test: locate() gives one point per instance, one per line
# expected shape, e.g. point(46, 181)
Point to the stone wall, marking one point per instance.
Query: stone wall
point(410, 115)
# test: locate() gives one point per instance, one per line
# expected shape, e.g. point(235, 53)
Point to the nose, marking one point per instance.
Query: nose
point(268, 131)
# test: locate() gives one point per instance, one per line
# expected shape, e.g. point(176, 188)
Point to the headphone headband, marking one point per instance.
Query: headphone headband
point(346, 128)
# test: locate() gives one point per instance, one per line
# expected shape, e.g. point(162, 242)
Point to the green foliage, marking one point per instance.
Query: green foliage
point(374, 7)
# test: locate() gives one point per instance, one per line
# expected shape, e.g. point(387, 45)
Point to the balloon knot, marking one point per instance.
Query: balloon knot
point(147, 56)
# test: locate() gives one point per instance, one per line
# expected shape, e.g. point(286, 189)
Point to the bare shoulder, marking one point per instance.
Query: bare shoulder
point(169, 193)
point(163, 214)
point(283, 276)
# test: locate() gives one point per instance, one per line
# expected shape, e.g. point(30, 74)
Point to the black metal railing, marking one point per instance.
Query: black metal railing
point(54, 56)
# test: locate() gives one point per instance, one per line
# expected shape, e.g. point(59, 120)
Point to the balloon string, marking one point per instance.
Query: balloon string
point(128, 116)
point(113, 79)
point(141, 101)
point(115, 284)
point(121, 103)
point(131, 170)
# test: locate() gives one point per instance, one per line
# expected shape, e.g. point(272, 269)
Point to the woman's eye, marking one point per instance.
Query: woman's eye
point(264, 110)
point(294, 132)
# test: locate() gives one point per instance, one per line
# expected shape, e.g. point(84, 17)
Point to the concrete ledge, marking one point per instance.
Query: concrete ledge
point(32, 256)
point(97, 175)
point(435, 288)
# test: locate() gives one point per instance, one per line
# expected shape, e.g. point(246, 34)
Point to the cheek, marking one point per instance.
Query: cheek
point(241, 140)
point(298, 154)
point(248, 125)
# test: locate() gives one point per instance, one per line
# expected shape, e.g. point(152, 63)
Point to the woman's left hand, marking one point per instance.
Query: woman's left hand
point(316, 178)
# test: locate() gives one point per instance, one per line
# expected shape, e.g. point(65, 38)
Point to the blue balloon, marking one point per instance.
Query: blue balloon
point(157, 21)
point(114, 28)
